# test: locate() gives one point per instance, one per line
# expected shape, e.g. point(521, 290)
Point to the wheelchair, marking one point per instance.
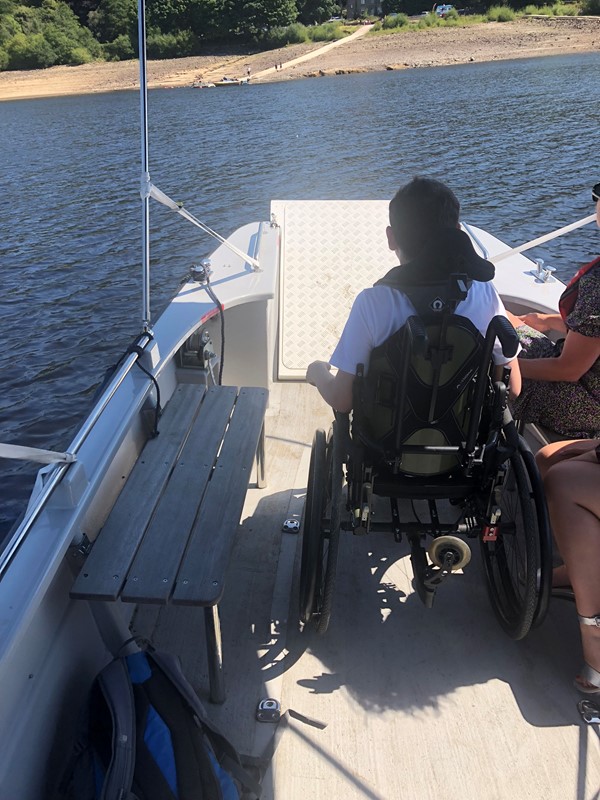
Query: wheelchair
point(430, 423)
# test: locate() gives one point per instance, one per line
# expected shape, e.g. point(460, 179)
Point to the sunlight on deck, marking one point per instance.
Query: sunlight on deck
point(419, 703)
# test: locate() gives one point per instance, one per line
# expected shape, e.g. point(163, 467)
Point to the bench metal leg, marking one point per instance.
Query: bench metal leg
point(261, 480)
point(214, 651)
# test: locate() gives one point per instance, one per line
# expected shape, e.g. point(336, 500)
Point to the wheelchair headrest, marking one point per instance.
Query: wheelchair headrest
point(449, 251)
point(433, 300)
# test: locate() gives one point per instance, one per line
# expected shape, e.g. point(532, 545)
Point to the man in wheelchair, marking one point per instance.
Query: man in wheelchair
point(424, 232)
point(426, 362)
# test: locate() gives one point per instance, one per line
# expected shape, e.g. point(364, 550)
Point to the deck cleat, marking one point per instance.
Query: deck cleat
point(590, 711)
point(268, 710)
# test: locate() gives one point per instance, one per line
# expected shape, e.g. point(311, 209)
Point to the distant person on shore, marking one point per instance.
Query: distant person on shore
point(571, 473)
point(424, 232)
point(561, 382)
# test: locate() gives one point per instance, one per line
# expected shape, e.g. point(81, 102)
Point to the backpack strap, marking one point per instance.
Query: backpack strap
point(241, 774)
point(225, 752)
point(176, 743)
point(568, 298)
point(116, 688)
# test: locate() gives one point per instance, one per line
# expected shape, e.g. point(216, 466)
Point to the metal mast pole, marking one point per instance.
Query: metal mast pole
point(145, 183)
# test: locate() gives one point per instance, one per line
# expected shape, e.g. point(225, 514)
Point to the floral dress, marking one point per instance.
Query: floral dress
point(569, 408)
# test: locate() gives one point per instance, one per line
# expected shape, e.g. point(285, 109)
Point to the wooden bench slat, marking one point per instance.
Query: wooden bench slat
point(200, 580)
point(155, 566)
point(105, 569)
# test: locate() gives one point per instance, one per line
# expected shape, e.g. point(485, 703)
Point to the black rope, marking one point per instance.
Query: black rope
point(216, 301)
point(139, 351)
point(157, 410)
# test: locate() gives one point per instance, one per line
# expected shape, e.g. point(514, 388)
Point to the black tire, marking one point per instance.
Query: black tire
point(321, 532)
point(512, 562)
point(311, 535)
point(544, 577)
point(331, 529)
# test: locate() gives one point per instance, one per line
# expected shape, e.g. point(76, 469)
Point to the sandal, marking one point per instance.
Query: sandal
point(588, 673)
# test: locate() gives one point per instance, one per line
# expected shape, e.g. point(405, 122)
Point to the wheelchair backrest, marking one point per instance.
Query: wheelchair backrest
point(421, 406)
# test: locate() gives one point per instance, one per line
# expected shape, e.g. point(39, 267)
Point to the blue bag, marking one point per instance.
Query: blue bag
point(146, 736)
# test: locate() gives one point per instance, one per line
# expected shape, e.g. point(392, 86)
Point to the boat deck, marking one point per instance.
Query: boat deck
point(418, 703)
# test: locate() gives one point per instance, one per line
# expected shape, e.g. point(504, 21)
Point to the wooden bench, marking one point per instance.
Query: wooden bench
point(169, 536)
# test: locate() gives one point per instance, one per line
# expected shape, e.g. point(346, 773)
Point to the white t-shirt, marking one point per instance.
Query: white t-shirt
point(380, 311)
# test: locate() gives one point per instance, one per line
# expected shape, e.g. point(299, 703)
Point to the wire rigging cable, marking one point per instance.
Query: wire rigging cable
point(149, 190)
point(211, 293)
point(542, 239)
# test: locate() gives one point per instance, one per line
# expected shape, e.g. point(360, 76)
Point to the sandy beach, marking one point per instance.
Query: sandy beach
point(524, 38)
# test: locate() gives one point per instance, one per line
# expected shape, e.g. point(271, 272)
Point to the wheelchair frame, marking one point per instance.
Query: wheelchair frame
point(496, 489)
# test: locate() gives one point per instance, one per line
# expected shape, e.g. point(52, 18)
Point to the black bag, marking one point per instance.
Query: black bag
point(145, 736)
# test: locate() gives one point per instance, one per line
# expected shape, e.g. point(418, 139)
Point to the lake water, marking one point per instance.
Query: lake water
point(517, 141)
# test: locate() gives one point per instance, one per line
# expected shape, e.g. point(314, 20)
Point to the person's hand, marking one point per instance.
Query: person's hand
point(315, 369)
point(535, 320)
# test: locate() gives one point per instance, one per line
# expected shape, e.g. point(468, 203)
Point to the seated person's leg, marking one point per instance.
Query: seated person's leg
point(560, 451)
point(574, 504)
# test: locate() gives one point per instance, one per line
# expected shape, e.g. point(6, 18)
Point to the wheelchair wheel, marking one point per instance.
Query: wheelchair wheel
point(321, 530)
point(311, 536)
point(544, 544)
point(512, 561)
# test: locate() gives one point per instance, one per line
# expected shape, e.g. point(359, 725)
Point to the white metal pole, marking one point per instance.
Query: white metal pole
point(145, 172)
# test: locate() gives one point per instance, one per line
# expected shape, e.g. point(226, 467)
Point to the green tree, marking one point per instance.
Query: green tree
point(65, 35)
point(254, 17)
point(209, 19)
point(313, 12)
point(82, 9)
point(9, 27)
point(30, 52)
point(166, 14)
point(405, 7)
point(392, 7)
point(114, 18)
point(41, 35)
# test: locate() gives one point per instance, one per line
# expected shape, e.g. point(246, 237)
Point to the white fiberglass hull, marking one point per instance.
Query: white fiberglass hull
point(444, 687)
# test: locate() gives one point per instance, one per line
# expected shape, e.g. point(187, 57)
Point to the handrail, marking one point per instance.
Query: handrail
point(56, 475)
point(542, 239)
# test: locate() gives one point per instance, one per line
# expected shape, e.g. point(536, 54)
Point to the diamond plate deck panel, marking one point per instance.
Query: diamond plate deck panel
point(330, 251)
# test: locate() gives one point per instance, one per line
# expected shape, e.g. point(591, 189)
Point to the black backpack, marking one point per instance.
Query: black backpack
point(146, 736)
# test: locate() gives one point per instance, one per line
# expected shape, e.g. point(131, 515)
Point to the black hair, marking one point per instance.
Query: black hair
point(419, 208)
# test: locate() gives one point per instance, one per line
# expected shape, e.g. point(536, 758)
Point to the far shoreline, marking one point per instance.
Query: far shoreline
point(480, 43)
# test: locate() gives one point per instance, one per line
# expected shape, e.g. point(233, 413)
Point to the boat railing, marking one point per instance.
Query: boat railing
point(543, 239)
point(56, 474)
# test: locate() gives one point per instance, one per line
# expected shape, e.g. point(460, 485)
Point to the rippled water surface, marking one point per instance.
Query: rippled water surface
point(517, 141)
